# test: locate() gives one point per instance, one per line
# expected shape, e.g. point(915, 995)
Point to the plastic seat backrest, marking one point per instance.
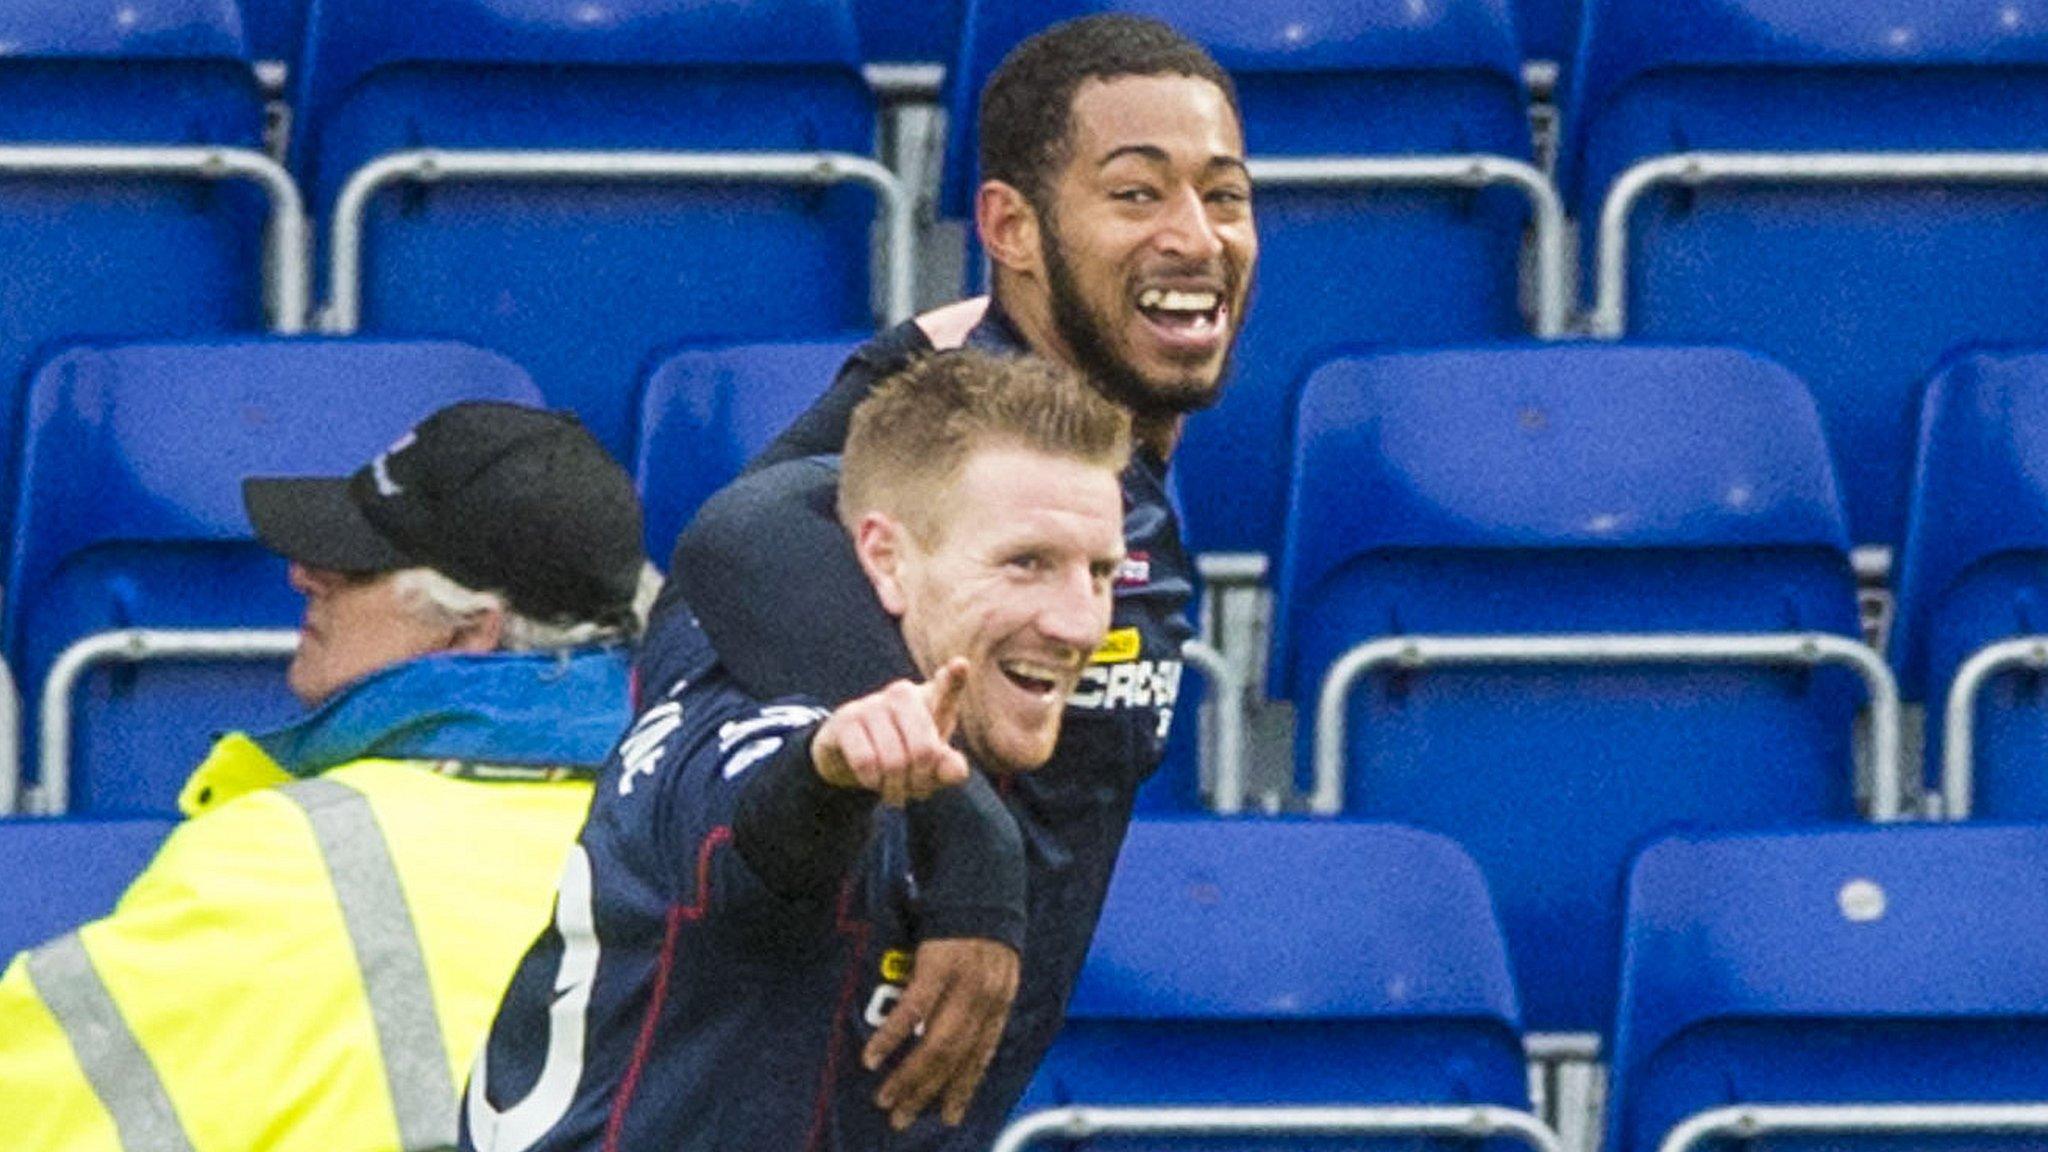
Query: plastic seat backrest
point(1861, 289)
point(131, 516)
point(1568, 489)
point(1271, 962)
point(585, 283)
point(98, 257)
point(1972, 571)
point(59, 874)
point(921, 33)
point(1338, 267)
point(277, 28)
point(707, 411)
point(1856, 966)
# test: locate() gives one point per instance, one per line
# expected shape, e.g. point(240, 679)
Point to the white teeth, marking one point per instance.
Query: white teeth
point(1174, 300)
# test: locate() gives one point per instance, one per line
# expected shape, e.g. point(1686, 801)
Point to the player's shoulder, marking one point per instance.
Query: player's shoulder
point(706, 725)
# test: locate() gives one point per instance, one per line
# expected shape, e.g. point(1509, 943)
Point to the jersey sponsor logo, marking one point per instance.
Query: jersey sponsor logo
point(1120, 645)
point(745, 743)
point(1132, 684)
point(1135, 571)
point(642, 749)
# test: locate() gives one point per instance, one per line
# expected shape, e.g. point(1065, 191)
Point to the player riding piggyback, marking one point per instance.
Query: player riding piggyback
point(740, 906)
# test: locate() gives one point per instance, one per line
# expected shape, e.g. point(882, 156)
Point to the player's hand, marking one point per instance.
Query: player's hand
point(956, 1005)
point(896, 742)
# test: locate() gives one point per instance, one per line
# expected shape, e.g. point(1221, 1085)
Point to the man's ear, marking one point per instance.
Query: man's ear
point(1009, 227)
point(482, 631)
point(880, 541)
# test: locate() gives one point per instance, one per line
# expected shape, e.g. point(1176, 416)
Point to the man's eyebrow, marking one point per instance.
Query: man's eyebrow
point(1152, 152)
point(1157, 155)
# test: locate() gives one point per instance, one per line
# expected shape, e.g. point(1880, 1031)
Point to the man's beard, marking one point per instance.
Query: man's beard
point(1094, 351)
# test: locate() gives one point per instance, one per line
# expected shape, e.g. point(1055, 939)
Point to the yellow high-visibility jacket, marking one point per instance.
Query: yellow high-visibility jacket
point(308, 964)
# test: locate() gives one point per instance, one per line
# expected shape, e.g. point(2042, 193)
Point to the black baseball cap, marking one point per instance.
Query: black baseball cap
point(497, 497)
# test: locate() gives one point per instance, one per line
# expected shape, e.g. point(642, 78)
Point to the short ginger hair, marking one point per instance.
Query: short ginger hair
point(913, 433)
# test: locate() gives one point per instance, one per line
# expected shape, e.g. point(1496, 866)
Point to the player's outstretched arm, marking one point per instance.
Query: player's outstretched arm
point(774, 583)
point(896, 743)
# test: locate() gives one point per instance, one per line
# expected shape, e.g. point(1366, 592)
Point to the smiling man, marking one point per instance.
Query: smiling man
point(736, 895)
point(1116, 212)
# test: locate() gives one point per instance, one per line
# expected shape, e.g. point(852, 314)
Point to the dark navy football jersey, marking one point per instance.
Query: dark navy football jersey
point(675, 1002)
point(1073, 811)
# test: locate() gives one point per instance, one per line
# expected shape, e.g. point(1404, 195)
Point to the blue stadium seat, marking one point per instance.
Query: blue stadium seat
point(1870, 966)
point(131, 516)
point(276, 28)
point(1861, 290)
point(1974, 569)
point(583, 283)
point(1337, 267)
point(1550, 29)
point(91, 257)
point(56, 874)
point(707, 411)
point(1266, 962)
point(1560, 490)
point(924, 33)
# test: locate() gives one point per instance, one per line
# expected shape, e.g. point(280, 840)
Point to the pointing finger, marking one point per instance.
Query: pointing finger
point(942, 695)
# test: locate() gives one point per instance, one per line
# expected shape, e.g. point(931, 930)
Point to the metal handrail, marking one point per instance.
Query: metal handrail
point(52, 796)
point(905, 80)
point(1227, 693)
point(1803, 649)
point(1478, 171)
point(287, 271)
point(1693, 169)
point(10, 742)
point(1959, 723)
point(1080, 1123)
point(1748, 1122)
point(435, 165)
point(1238, 645)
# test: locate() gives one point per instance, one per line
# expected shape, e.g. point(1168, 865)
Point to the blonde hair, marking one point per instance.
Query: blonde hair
point(437, 598)
point(912, 434)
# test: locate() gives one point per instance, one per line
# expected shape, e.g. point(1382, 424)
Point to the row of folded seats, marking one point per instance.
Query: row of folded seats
point(1859, 274)
point(1544, 599)
point(927, 33)
point(1848, 989)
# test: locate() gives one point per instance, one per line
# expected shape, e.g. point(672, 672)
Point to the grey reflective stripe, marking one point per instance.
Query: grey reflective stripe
point(388, 953)
point(119, 1070)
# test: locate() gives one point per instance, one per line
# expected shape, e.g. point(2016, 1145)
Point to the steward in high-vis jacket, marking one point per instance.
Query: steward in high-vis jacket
point(312, 959)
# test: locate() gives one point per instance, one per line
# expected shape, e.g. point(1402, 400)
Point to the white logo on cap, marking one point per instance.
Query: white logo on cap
point(386, 486)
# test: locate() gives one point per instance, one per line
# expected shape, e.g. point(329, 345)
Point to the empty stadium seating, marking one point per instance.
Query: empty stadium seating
point(891, 30)
point(1974, 569)
point(1338, 267)
point(93, 255)
point(706, 412)
point(131, 517)
point(584, 281)
point(58, 874)
point(1861, 289)
point(1856, 967)
point(1574, 489)
point(1281, 962)
point(1550, 29)
point(275, 28)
